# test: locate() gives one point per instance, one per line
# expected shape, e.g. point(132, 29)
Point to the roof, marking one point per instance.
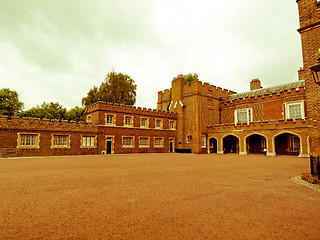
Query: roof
point(267, 91)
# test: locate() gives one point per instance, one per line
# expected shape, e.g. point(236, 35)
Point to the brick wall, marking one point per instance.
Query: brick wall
point(46, 129)
point(309, 17)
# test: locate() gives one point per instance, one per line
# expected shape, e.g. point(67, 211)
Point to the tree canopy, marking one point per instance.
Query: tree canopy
point(54, 111)
point(116, 88)
point(9, 102)
point(188, 78)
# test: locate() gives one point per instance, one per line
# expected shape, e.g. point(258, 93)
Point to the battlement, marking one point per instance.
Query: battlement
point(266, 94)
point(26, 124)
point(260, 125)
point(115, 107)
point(206, 89)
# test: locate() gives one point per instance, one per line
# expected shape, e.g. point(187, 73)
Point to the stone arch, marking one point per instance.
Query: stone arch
point(256, 143)
point(213, 145)
point(287, 143)
point(231, 143)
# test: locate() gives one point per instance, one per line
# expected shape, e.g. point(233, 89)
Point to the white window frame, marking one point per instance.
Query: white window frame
point(249, 115)
point(172, 125)
point(158, 142)
point(28, 140)
point(287, 109)
point(110, 119)
point(160, 121)
point(144, 142)
point(294, 144)
point(128, 121)
point(144, 122)
point(61, 141)
point(203, 142)
point(128, 142)
point(88, 141)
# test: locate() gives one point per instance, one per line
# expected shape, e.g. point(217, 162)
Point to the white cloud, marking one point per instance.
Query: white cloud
point(57, 50)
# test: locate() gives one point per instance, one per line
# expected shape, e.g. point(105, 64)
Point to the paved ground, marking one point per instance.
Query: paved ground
point(157, 196)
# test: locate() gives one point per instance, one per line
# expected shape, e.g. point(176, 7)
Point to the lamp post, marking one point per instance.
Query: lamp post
point(315, 69)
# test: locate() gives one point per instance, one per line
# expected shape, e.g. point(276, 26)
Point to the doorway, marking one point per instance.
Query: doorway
point(109, 145)
point(171, 145)
point(230, 144)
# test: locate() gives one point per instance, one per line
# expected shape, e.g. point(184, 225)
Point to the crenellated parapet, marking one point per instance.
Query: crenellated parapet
point(130, 110)
point(266, 94)
point(197, 87)
point(260, 125)
point(32, 124)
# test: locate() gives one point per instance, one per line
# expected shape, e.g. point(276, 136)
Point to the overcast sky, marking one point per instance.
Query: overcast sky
point(55, 51)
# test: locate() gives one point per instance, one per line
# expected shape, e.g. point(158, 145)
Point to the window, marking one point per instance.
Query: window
point(89, 118)
point(158, 142)
point(203, 141)
point(210, 103)
point(28, 140)
point(172, 124)
point(144, 122)
point(88, 141)
point(60, 140)
point(127, 141)
point(243, 115)
point(158, 123)
point(295, 110)
point(144, 142)
point(294, 143)
point(128, 121)
point(110, 119)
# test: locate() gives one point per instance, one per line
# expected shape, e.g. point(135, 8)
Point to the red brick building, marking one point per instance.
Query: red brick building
point(196, 117)
point(309, 18)
point(270, 121)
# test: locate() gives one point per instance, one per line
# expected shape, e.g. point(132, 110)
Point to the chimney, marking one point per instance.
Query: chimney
point(255, 84)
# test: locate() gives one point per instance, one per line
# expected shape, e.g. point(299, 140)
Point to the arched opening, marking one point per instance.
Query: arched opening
point(213, 144)
point(231, 144)
point(256, 144)
point(287, 144)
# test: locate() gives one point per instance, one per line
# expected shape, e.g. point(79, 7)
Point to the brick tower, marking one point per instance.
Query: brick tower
point(309, 16)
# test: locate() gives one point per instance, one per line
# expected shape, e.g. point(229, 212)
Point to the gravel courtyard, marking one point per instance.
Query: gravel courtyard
point(157, 196)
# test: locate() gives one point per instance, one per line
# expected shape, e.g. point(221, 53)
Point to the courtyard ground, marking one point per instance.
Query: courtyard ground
point(157, 196)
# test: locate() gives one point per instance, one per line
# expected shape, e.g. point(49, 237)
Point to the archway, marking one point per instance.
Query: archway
point(256, 144)
point(287, 144)
point(213, 145)
point(230, 144)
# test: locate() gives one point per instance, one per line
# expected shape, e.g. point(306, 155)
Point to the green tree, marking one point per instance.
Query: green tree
point(9, 102)
point(116, 88)
point(188, 78)
point(92, 96)
point(75, 114)
point(46, 110)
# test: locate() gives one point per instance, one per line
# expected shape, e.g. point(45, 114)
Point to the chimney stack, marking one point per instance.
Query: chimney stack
point(255, 84)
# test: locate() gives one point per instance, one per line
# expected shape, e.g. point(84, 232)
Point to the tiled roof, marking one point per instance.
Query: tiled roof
point(267, 91)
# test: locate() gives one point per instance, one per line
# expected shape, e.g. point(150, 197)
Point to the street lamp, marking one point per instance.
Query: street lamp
point(315, 69)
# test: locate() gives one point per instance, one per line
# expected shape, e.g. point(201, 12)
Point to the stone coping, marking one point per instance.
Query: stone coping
point(298, 180)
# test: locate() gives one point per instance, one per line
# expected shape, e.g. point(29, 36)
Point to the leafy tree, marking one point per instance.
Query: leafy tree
point(92, 96)
point(188, 78)
point(75, 114)
point(46, 110)
point(116, 88)
point(9, 102)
